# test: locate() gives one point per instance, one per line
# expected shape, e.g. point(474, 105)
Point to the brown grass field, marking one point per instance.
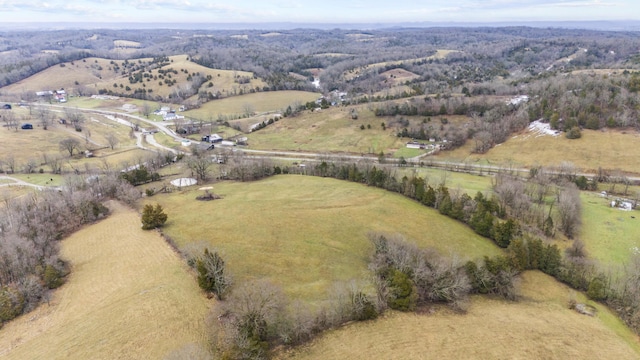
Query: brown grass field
point(98, 73)
point(609, 149)
point(260, 102)
point(305, 233)
point(31, 145)
point(539, 326)
point(129, 296)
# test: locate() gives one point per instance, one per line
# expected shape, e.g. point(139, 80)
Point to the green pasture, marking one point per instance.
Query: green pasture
point(268, 101)
point(306, 233)
point(330, 130)
point(610, 234)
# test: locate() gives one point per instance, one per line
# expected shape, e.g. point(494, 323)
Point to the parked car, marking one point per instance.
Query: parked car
point(27, 127)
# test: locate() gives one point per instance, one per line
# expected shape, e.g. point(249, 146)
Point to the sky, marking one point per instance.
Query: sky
point(316, 11)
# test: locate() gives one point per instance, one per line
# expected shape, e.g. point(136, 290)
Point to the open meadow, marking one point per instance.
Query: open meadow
point(330, 130)
point(260, 102)
point(610, 235)
point(129, 296)
point(306, 233)
point(538, 326)
point(609, 149)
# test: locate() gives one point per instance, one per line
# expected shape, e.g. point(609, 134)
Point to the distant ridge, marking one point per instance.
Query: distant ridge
point(622, 25)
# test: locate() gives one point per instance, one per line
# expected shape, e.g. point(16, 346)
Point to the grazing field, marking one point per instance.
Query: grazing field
point(89, 71)
point(609, 149)
point(330, 130)
point(539, 326)
point(305, 233)
point(268, 101)
point(129, 296)
point(471, 184)
point(611, 235)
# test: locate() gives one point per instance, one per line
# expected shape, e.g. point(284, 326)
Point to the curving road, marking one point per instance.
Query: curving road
point(422, 160)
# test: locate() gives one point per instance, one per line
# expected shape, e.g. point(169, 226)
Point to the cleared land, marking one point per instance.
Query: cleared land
point(268, 101)
point(31, 145)
point(305, 233)
point(540, 326)
point(129, 296)
point(328, 130)
point(610, 234)
point(609, 149)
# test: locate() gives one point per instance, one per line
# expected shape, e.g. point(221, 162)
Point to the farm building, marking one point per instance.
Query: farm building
point(415, 145)
point(172, 116)
point(213, 138)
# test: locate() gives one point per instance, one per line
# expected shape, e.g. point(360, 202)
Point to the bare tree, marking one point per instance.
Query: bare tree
point(69, 145)
point(75, 117)
point(11, 163)
point(54, 162)
point(247, 109)
point(146, 109)
point(200, 166)
point(45, 116)
point(11, 121)
point(113, 140)
point(30, 166)
point(569, 210)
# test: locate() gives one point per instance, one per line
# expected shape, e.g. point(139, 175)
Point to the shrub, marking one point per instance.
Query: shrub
point(597, 289)
point(11, 303)
point(573, 133)
point(52, 277)
point(402, 292)
point(153, 217)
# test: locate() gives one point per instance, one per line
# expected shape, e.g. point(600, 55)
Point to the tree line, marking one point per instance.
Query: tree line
point(31, 228)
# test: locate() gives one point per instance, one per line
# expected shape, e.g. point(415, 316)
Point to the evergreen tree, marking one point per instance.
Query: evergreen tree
point(153, 217)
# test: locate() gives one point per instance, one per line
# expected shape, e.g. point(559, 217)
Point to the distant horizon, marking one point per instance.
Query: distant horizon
point(354, 12)
point(606, 25)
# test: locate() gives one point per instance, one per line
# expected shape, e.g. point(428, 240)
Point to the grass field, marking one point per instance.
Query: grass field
point(609, 234)
point(259, 102)
point(306, 233)
point(609, 149)
point(100, 73)
point(328, 130)
point(455, 180)
point(540, 326)
point(129, 296)
point(31, 145)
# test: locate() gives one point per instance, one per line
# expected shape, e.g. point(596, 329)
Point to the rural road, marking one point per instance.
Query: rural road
point(316, 156)
point(18, 182)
